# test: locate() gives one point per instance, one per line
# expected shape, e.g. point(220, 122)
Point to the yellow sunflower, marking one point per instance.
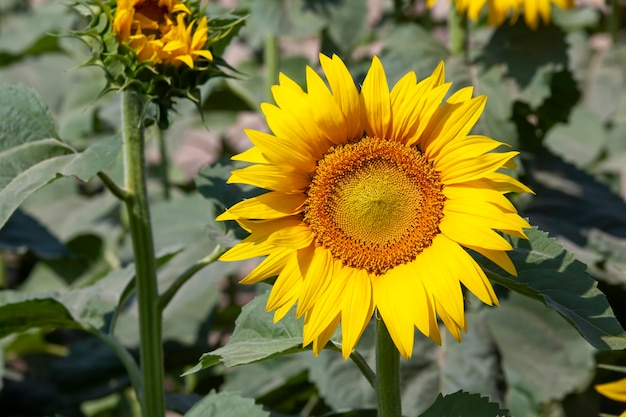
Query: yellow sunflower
point(615, 390)
point(157, 31)
point(183, 46)
point(500, 10)
point(372, 197)
point(144, 16)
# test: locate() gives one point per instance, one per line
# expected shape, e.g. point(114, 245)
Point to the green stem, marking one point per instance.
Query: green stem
point(271, 63)
point(167, 296)
point(458, 29)
point(108, 182)
point(364, 367)
point(165, 163)
point(387, 373)
point(151, 347)
point(125, 357)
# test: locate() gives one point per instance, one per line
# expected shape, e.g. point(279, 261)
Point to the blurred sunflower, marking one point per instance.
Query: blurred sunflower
point(372, 197)
point(615, 390)
point(157, 31)
point(500, 10)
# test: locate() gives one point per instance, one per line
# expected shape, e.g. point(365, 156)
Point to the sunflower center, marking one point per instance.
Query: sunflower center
point(374, 204)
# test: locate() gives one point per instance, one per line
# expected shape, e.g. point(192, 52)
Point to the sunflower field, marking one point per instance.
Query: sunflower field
point(312, 208)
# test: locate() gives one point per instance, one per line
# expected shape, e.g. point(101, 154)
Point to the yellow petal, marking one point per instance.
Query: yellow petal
point(375, 102)
point(615, 390)
point(252, 155)
point(316, 267)
point(397, 308)
point(498, 257)
point(282, 152)
point(345, 93)
point(327, 115)
point(271, 177)
point(287, 285)
point(356, 311)
point(471, 169)
point(459, 230)
point(271, 266)
point(328, 305)
point(324, 337)
point(444, 280)
point(266, 206)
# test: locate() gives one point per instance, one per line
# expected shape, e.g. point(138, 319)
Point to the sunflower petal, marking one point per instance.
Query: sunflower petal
point(376, 102)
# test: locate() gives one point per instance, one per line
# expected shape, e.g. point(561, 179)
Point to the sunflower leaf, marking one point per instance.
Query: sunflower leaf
point(74, 309)
point(31, 155)
point(549, 273)
point(256, 338)
point(226, 404)
point(464, 404)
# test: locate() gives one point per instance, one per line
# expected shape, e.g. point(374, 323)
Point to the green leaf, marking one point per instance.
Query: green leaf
point(542, 357)
point(581, 140)
point(410, 47)
point(256, 337)
point(529, 66)
point(516, 47)
point(347, 24)
point(463, 404)
point(27, 29)
point(23, 117)
point(225, 404)
point(260, 378)
point(35, 164)
point(73, 309)
point(278, 17)
point(20, 312)
point(549, 273)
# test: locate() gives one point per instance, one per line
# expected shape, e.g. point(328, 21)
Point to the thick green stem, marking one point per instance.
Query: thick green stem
point(458, 30)
point(387, 373)
point(151, 347)
point(271, 63)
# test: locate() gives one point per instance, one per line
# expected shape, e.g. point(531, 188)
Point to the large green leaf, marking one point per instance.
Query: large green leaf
point(256, 337)
point(542, 357)
point(463, 404)
point(581, 140)
point(35, 164)
point(549, 273)
point(278, 17)
point(23, 117)
point(76, 308)
point(411, 48)
point(225, 404)
point(28, 31)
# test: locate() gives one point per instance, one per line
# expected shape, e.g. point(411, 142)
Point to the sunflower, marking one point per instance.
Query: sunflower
point(157, 31)
point(615, 390)
point(499, 10)
point(372, 197)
